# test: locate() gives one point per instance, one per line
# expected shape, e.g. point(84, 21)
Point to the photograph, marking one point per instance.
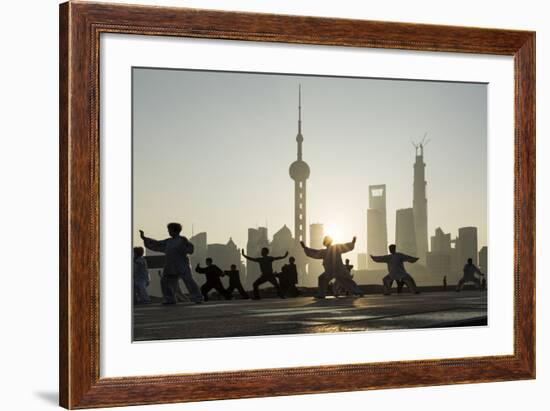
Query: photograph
point(269, 204)
point(275, 205)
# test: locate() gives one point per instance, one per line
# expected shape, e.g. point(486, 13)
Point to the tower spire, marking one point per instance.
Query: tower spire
point(299, 137)
point(299, 109)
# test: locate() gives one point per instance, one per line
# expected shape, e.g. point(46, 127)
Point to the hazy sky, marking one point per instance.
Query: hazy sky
point(212, 150)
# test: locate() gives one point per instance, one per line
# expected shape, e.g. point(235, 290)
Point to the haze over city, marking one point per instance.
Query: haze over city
point(212, 150)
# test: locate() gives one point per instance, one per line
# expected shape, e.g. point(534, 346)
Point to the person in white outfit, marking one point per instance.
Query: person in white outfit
point(177, 248)
point(396, 267)
point(333, 265)
point(141, 277)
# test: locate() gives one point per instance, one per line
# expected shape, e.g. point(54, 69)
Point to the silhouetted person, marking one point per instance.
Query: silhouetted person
point(213, 274)
point(395, 262)
point(444, 283)
point(337, 288)
point(333, 265)
point(141, 277)
point(349, 267)
point(400, 285)
point(176, 248)
point(266, 268)
point(288, 278)
point(235, 282)
point(469, 272)
point(180, 296)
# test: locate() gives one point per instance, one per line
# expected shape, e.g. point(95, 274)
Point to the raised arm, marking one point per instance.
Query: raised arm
point(248, 257)
point(281, 257)
point(344, 248)
point(200, 270)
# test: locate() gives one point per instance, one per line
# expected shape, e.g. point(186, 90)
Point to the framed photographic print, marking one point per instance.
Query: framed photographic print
point(259, 205)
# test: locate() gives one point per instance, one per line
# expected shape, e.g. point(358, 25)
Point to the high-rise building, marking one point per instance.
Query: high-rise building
point(456, 261)
point(405, 235)
point(281, 243)
point(224, 255)
point(483, 262)
point(466, 245)
point(420, 203)
point(315, 267)
point(361, 261)
point(299, 172)
point(438, 260)
point(377, 231)
point(441, 242)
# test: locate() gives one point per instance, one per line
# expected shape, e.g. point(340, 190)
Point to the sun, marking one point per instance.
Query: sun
point(334, 232)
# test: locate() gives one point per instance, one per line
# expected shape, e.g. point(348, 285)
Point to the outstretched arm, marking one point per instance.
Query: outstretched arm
point(248, 257)
point(151, 244)
point(380, 258)
point(409, 259)
point(199, 269)
point(312, 252)
point(479, 271)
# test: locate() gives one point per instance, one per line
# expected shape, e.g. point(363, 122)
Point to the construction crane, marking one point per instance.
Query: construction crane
point(420, 145)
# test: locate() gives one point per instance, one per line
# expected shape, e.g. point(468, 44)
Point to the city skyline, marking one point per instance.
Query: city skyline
point(328, 188)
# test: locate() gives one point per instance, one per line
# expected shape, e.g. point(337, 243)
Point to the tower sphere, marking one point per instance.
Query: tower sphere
point(299, 170)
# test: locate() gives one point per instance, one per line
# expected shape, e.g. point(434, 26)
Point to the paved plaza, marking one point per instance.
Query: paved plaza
point(272, 316)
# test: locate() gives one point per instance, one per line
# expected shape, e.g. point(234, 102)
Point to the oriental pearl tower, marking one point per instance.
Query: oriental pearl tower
point(299, 172)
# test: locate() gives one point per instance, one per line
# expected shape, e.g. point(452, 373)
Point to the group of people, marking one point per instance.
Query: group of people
point(177, 249)
point(396, 272)
point(284, 282)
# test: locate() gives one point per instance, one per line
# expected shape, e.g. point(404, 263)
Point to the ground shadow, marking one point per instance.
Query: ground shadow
point(51, 397)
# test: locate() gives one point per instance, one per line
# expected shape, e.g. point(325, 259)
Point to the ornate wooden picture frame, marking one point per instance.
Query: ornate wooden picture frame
point(81, 25)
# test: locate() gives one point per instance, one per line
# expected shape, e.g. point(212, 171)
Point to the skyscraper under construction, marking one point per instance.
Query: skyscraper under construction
point(420, 203)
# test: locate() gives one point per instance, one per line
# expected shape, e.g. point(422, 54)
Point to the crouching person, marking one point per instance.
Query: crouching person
point(213, 274)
